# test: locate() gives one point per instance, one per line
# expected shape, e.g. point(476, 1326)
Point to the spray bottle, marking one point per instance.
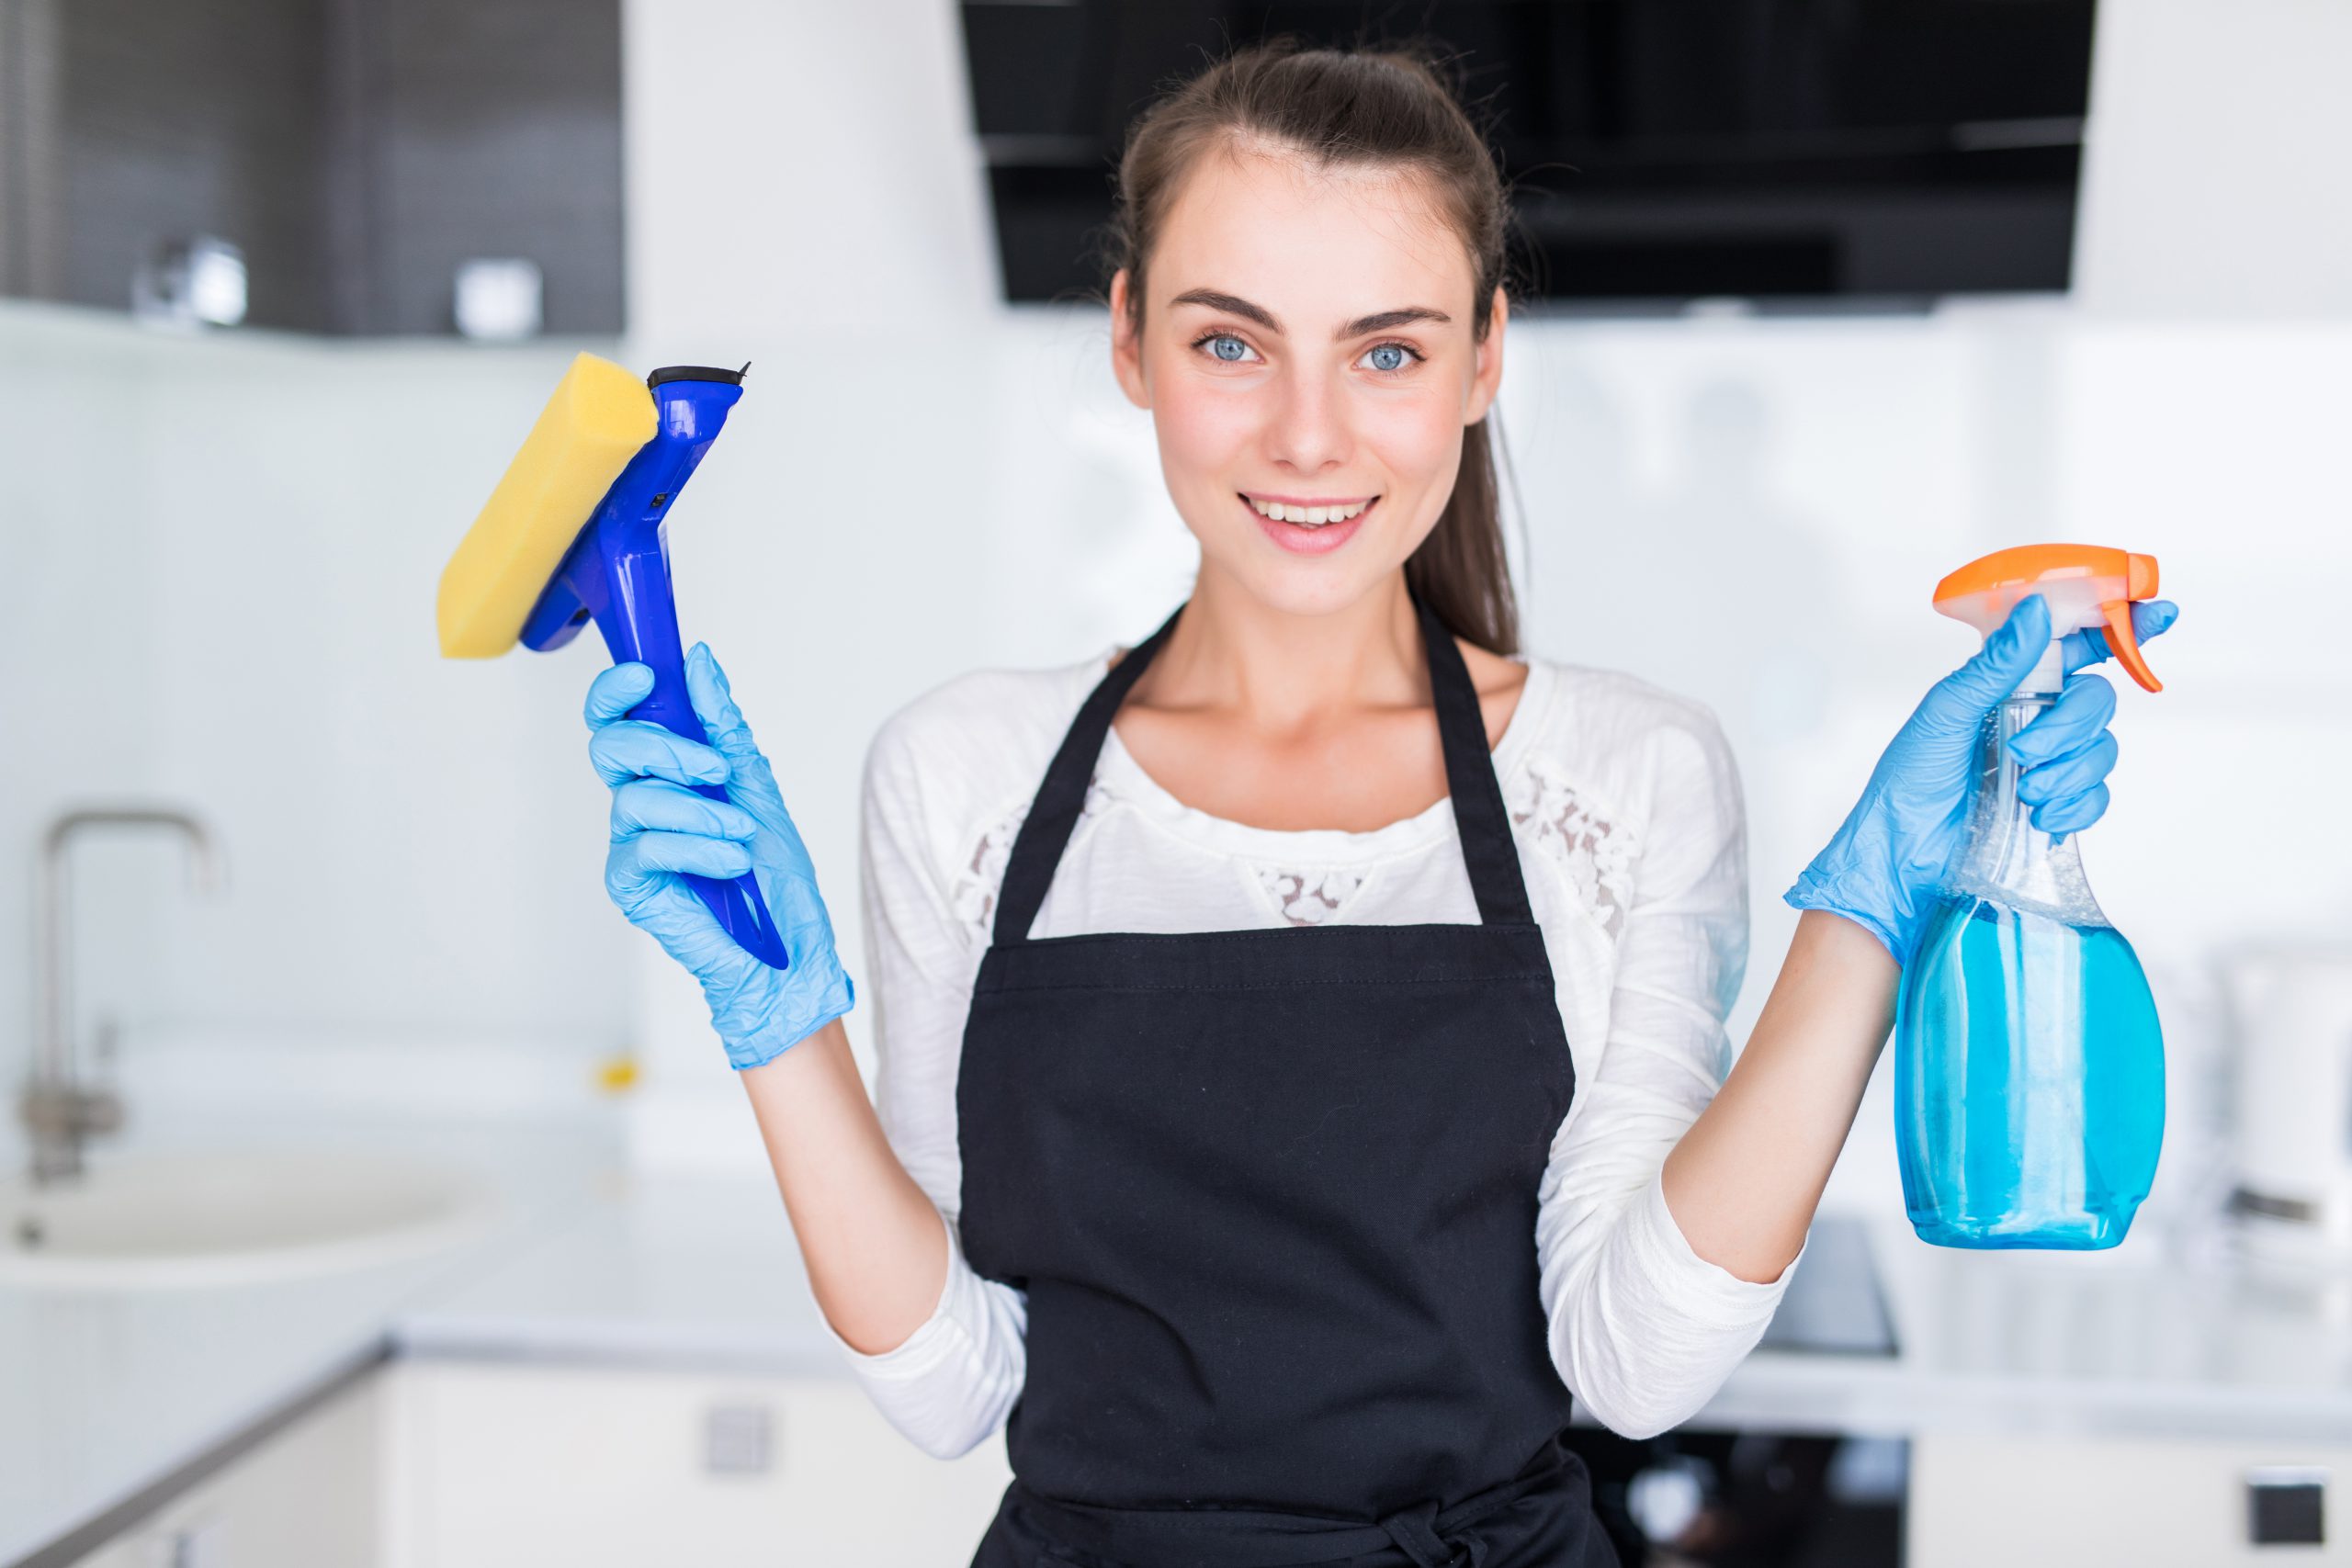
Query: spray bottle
point(2030, 1087)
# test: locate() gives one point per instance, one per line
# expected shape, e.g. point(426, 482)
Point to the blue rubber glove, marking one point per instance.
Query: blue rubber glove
point(662, 828)
point(1882, 868)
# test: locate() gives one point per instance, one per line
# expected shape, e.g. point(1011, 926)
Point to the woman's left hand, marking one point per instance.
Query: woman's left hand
point(1882, 867)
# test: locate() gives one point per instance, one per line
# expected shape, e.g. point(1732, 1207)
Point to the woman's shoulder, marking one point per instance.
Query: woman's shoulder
point(1618, 736)
point(1621, 700)
point(970, 742)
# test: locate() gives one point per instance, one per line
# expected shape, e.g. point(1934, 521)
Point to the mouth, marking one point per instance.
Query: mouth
point(1308, 525)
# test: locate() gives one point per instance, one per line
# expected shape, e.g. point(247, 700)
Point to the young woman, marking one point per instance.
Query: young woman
point(1300, 1033)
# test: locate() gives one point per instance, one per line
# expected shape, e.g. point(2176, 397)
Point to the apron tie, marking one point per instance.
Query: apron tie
point(1414, 1531)
point(1429, 1537)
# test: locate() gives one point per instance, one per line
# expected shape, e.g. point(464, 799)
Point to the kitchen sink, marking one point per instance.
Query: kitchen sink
point(233, 1217)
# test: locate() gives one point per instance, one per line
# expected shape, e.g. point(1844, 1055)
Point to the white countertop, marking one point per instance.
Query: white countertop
point(102, 1394)
point(2172, 1339)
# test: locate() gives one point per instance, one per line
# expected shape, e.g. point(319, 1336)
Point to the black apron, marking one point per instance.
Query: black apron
point(1271, 1194)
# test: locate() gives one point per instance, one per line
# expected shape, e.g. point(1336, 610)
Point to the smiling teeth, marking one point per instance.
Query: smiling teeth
point(1312, 516)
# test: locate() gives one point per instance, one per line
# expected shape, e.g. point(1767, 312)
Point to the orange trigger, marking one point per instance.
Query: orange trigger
point(2124, 643)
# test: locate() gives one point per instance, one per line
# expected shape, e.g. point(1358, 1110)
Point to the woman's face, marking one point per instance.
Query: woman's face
point(1306, 343)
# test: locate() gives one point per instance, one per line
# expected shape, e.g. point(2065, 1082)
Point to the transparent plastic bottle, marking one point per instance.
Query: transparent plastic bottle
point(2029, 1062)
point(2029, 1083)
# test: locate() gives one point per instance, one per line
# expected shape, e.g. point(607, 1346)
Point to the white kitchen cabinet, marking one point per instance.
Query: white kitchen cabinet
point(2023, 1501)
point(492, 1463)
point(304, 1498)
point(431, 1463)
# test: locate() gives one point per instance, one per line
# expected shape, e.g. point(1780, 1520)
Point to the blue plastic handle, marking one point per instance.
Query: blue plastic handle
point(617, 573)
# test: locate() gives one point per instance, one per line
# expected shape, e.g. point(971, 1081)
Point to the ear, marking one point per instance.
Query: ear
point(1126, 345)
point(1489, 374)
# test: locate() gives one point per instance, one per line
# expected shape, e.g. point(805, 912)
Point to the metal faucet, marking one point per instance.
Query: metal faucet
point(55, 1107)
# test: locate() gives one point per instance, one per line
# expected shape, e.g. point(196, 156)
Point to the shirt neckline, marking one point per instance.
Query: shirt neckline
point(1118, 768)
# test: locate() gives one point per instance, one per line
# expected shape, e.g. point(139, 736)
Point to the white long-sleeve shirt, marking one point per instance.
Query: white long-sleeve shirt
point(1626, 807)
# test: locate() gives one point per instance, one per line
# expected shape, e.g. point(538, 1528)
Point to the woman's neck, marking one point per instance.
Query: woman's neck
point(1272, 672)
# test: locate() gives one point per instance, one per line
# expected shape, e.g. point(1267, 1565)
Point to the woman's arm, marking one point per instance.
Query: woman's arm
point(939, 1348)
point(1744, 1182)
point(876, 1246)
point(1641, 1327)
point(873, 1241)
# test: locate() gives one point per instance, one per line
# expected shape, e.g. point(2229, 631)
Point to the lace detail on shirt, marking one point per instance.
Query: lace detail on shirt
point(979, 876)
point(1596, 851)
point(1308, 898)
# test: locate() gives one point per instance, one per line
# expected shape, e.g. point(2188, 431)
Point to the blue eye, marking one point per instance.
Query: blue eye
point(1222, 341)
point(1396, 360)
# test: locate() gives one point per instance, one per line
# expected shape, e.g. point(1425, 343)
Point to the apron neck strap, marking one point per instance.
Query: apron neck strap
point(1488, 851)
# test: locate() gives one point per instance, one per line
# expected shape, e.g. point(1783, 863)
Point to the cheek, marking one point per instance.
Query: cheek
point(1202, 426)
point(1419, 439)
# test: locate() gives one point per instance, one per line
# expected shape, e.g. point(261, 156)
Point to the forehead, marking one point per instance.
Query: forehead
point(1313, 244)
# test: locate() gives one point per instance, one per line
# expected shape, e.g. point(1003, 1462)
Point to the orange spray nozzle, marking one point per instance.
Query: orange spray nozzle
point(2085, 585)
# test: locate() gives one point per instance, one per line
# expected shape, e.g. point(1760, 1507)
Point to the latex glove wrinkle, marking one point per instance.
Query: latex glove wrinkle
point(1884, 865)
point(661, 827)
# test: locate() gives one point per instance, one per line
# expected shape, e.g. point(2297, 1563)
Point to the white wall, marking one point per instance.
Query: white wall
point(2214, 178)
point(232, 547)
point(75, 705)
point(234, 544)
point(1821, 476)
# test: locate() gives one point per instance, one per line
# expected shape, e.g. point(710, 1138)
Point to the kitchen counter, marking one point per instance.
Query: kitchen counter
point(103, 1394)
point(2170, 1339)
point(2137, 1343)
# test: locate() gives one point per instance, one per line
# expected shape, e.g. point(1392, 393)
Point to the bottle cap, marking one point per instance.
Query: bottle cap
point(2085, 585)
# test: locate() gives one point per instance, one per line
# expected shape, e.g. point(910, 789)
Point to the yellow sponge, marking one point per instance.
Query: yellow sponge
point(598, 419)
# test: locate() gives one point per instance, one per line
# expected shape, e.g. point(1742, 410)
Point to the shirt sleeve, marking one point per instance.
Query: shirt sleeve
point(1643, 1329)
point(951, 1382)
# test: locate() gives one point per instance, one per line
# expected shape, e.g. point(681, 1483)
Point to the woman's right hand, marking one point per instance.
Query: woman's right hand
point(877, 1249)
point(661, 827)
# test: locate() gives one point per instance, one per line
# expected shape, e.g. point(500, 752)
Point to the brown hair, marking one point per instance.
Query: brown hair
point(1383, 106)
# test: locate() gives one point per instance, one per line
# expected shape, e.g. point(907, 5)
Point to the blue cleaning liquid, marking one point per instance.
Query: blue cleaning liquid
point(2030, 1084)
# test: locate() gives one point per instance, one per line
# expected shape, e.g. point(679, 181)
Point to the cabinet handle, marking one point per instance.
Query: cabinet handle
point(196, 1545)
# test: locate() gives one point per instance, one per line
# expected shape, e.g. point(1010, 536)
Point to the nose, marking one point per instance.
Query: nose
point(1307, 431)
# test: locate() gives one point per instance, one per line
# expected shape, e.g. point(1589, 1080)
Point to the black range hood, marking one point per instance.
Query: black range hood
point(1806, 153)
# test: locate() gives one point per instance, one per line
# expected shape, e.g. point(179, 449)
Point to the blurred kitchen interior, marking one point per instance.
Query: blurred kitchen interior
point(243, 429)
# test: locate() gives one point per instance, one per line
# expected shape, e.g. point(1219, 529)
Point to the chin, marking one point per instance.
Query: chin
point(1308, 587)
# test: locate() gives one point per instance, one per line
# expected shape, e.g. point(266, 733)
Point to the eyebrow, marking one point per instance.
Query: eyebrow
point(1379, 321)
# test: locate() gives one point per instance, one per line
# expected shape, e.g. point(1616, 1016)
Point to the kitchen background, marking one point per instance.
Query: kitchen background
point(222, 546)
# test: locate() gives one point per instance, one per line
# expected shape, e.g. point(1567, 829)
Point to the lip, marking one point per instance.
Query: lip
point(1297, 537)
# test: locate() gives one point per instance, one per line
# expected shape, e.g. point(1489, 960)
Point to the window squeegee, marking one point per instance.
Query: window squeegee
point(576, 531)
